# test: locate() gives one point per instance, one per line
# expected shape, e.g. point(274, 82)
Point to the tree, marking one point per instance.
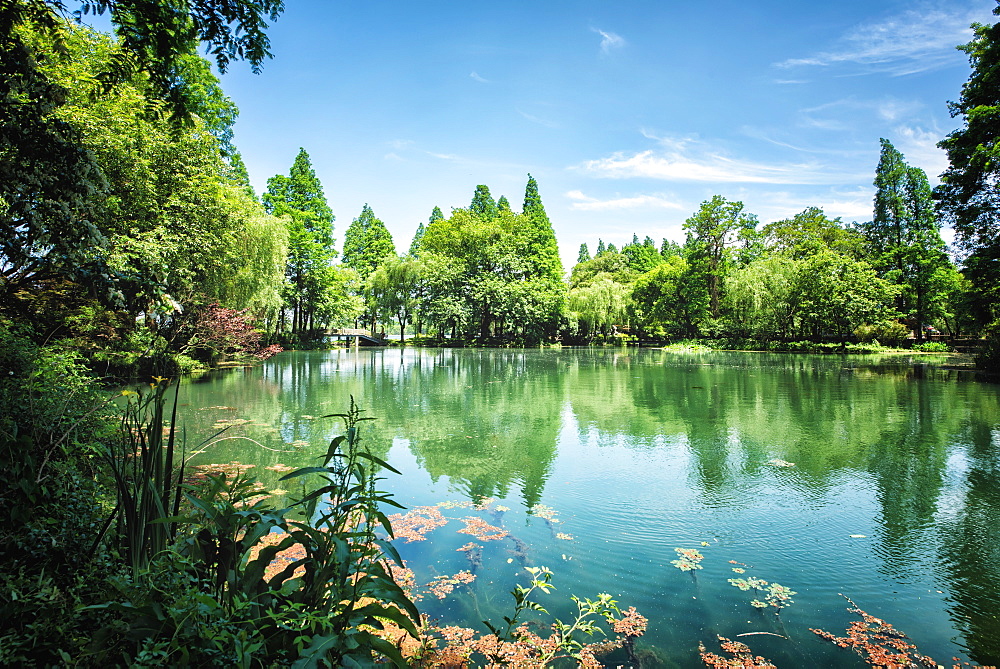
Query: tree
point(904, 237)
point(483, 204)
point(436, 215)
point(542, 250)
point(711, 232)
point(51, 188)
point(393, 290)
point(584, 254)
point(503, 204)
point(969, 195)
point(810, 231)
point(600, 248)
point(662, 297)
point(367, 243)
point(299, 197)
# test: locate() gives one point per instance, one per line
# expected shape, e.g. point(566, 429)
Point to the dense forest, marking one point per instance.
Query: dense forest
point(132, 243)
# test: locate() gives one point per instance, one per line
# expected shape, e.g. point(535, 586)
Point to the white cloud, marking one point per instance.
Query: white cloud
point(915, 41)
point(919, 147)
point(587, 203)
point(609, 40)
point(538, 120)
point(687, 159)
point(475, 76)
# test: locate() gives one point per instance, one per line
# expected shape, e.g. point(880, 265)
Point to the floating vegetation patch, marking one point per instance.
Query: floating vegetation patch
point(736, 654)
point(688, 559)
point(877, 641)
point(482, 530)
point(417, 523)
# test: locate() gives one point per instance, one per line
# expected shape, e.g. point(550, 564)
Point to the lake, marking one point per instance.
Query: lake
point(877, 477)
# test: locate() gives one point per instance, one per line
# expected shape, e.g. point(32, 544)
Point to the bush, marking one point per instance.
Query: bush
point(889, 333)
point(932, 347)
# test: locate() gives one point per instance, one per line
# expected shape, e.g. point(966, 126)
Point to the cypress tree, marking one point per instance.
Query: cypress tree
point(299, 197)
point(543, 248)
point(483, 206)
point(584, 254)
point(600, 248)
point(503, 204)
point(367, 243)
point(415, 244)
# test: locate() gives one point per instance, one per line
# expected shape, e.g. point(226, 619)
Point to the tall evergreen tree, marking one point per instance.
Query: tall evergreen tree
point(483, 205)
point(543, 248)
point(503, 204)
point(600, 248)
point(299, 197)
point(584, 254)
point(367, 243)
point(905, 237)
point(417, 237)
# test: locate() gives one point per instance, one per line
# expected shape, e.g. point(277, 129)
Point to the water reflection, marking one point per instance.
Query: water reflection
point(780, 459)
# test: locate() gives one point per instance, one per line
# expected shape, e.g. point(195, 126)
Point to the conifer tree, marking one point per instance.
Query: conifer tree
point(367, 243)
point(415, 244)
point(503, 204)
point(543, 249)
point(600, 248)
point(483, 206)
point(905, 237)
point(299, 197)
point(584, 254)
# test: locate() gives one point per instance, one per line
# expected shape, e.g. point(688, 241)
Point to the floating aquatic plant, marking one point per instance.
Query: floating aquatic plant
point(688, 559)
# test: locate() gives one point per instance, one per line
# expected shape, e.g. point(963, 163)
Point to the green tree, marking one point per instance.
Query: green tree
point(503, 204)
point(599, 306)
point(394, 290)
point(810, 231)
point(600, 248)
point(969, 195)
point(711, 233)
point(905, 239)
point(299, 198)
point(367, 243)
point(483, 204)
point(584, 254)
point(662, 297)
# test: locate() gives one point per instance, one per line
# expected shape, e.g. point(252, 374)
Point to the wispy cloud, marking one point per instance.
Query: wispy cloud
point(915, 41)
point(475, 76)
point(586, 203)
point(687, 159)
point(536, 119)
point(919, 145)
point(609, 40)
point(843, 114)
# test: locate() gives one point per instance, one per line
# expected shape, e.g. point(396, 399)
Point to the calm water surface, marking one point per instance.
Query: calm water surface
point(893, 499)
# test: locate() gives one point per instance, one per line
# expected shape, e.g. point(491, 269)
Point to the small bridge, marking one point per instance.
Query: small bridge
point(360, 337)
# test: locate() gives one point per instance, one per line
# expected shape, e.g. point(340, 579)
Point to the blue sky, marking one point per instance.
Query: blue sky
point(629, 114)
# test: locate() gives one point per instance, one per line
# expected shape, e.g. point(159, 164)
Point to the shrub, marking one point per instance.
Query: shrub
point(932, 347)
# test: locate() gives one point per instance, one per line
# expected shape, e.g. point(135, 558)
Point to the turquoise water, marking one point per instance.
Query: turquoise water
point(873, 476)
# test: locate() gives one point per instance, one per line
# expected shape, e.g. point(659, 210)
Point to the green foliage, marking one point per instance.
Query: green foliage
point(509, 283)
point(584, 254)
point(887, 332)
point(483, 206)
point(367, 243)
point(904, 238)
point(932, 347)
point(969, 196)
point(711, 233)
point(299, 198)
